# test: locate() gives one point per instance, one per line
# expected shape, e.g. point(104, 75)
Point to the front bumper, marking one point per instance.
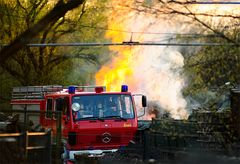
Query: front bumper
point(72, 155)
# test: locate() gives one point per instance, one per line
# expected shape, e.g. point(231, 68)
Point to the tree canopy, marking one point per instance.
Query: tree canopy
point(44, 21)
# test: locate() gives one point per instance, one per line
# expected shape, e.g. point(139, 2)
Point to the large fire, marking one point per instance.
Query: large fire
point(118, 72)
point(151, 70)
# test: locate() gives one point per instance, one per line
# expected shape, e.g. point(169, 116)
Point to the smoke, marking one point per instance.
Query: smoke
point(160, 78)
point(156, 71)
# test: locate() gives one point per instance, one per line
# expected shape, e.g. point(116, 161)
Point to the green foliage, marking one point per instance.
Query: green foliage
point(52, 65)
point(212, 66)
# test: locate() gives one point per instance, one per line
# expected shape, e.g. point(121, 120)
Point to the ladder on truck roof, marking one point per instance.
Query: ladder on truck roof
point(34, 92)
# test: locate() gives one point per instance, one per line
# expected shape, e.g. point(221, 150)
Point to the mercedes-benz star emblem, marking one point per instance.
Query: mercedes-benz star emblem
point(106, 137)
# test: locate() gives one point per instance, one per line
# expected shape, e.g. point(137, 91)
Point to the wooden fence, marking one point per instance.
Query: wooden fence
point(26, 147)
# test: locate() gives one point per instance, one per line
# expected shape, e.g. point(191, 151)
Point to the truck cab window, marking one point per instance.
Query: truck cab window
point(103, 106)
point(113, 106)
point(62, 104)
point(127, 111)
point(65, 106)
point(49, 108)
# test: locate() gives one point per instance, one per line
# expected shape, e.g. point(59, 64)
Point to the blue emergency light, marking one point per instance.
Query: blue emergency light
point(124, 88)
point(71, 89)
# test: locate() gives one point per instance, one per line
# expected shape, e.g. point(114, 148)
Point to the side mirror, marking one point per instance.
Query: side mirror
point(144, 104)
point(144, 101)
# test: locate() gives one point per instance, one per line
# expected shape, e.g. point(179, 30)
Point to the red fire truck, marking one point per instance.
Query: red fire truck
point(94, 121)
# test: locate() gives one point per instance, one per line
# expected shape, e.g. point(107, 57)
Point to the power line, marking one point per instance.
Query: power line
point(205, 2)
point(131, 43)
point(210, 2)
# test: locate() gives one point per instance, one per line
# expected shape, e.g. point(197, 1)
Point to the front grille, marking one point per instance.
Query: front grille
point(114, 139)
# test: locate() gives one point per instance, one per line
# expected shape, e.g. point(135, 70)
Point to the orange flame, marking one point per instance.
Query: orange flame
point(120, 70)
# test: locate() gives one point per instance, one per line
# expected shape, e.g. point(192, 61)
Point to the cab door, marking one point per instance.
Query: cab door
point(51, 119)
point(65, 115)
point(47, 120)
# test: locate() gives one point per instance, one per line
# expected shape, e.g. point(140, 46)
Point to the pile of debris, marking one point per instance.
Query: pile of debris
point(9, 123)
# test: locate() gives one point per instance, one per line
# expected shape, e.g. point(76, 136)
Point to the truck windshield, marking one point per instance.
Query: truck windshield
point(109, 106)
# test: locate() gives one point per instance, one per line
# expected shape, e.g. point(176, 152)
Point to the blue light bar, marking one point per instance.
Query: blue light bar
point(124, 88)
point(71, 89)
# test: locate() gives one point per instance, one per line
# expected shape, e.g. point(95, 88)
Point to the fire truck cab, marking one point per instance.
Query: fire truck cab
point(94, 122)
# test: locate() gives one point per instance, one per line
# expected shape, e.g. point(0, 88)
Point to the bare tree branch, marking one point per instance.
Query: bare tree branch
point(60, 59)
point(167, 9)
point(13, 73)
point(20, 5)
point(82, 11)
point(57, 12)
point(210, 28)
